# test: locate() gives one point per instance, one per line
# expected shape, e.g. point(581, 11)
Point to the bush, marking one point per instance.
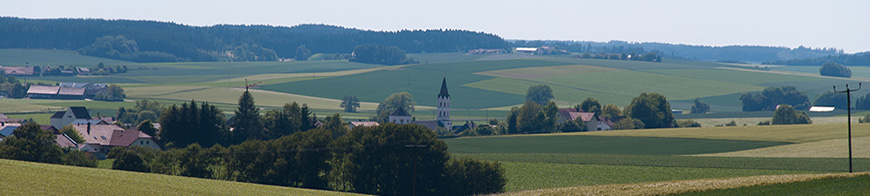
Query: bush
point(865, 119)
point(786, 115)
point(468, 176)
point(688, 123)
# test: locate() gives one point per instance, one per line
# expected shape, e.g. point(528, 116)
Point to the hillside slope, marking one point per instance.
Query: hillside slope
point(27, 178)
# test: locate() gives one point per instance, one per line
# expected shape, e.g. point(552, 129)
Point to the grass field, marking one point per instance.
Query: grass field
point(34, 57)
point(26, 178)
point(825, 148)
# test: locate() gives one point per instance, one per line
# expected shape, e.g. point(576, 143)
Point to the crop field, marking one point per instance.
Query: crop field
point(616, 157)
point(827, 186)
point(700, 185)
point(531, 175)
point(26, 178)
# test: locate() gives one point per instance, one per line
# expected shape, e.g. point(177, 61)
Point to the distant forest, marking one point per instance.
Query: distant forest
point(690, 52)
point(856, 59)
point(151, 41)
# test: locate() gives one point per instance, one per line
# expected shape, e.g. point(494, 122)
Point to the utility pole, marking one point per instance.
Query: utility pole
point(415, 147)
point(849, 114)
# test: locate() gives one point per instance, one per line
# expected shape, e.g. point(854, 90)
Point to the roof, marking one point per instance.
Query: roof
point(527, 49)
point(71, 91)
point(64, 141)
point(42, 89)
point(443, 92)
point(58, 114)
point(18, 70)
point(80, 112)
point(400, 112)
point(4, 118)
point(585, 116)
point(8, 128)
point(605, 121)
point(109, 135)
point(431, 124)
point(364, 123)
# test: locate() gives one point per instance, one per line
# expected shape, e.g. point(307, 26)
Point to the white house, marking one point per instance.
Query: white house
point(73, 115)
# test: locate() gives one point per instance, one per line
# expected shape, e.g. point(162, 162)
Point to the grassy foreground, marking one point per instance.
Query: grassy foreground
point(686, 186)
point(27, 178)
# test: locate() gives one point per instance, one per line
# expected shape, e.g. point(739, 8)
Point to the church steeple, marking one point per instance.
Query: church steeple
point(444, 106)
point(444, 89)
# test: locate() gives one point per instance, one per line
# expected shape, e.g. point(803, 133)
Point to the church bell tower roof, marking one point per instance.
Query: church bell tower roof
point(444, 89)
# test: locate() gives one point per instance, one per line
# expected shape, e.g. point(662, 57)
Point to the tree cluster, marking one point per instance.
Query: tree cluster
point(857, 59)
point(30, 143)
point(11, 87)
point(393, 102)
point(649, 56)
point(370, 160)
point(863, 103)
point(830, 98)
point(349, 103)
point(836, 70)
point(113, 93)
point(699, 107)
point(378, 54)
point(652, 109)
point(786, 115)
point(771, 97)
point(540, 94)
point(149, 41)
point(142, 111)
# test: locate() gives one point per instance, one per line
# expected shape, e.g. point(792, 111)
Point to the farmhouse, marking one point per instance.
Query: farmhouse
point(91, 89)
point(5, 119)
point(55, 92)
point(101, 138)
point(25, 71)
point(593, 123)
point(73, 115)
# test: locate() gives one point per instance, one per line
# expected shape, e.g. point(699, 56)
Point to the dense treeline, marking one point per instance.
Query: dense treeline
point(862, 58)
point(145, 41)
point(771, 97)
point(682, 51)
point(377, 54)
point(836, 70)
point(371, 160)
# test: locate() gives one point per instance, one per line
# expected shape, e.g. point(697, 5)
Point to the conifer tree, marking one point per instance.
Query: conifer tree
point(247, 123)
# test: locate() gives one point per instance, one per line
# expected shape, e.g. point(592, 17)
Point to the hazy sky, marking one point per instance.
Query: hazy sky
point(791, 23)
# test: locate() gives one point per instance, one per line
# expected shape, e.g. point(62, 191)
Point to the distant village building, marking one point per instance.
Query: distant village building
point(66, 91)
point(593, 123)
point(442, 119)
point(400, 116)
point(351, 125)
point(523, 50)
point(101, 138)
point(73, 115)
point(485, 51)
point(21, 71)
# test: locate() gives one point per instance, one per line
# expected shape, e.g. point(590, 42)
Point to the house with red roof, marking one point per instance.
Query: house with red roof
point(101, 138)
point(593, 123)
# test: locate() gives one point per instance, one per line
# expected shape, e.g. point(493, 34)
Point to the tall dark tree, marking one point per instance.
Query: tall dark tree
point(529, 120)
point(513, 121)
point(863, 103)
point(188, 124)
point(247, 123)
point(540, 94)
point(652, 109)
point(147, 127)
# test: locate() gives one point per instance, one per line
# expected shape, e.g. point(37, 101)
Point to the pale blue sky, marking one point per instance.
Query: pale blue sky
point(839, 23)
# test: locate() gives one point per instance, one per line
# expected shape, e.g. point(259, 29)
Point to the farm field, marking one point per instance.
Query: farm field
point(619, 157)
point(690, 187)
point(27, 178)
point(835, 185)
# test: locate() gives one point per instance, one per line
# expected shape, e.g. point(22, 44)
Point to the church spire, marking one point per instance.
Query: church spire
point(444, 89)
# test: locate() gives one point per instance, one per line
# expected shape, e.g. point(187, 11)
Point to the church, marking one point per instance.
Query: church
point(442, 119)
